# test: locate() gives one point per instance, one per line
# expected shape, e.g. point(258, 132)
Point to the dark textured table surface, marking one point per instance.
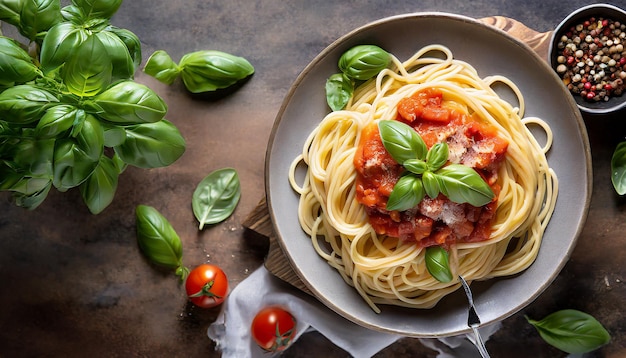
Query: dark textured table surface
point(74, 284)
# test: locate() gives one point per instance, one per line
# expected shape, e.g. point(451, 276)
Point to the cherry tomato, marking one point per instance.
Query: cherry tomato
point(206, 286)
point(273, 328)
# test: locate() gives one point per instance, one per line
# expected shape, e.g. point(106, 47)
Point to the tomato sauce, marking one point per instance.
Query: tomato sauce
point(434, 221)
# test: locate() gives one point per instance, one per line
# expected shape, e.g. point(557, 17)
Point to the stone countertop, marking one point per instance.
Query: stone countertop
point(75, 284)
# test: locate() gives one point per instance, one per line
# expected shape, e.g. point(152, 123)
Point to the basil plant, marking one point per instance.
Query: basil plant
point(71, 115)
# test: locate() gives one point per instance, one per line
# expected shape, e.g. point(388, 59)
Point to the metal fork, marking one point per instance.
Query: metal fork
point(473, 321)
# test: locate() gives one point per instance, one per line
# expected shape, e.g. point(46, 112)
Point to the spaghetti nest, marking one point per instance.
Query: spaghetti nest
point(388, 270)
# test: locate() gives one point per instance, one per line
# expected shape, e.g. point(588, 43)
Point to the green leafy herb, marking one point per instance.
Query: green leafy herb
point(339, 89)
point(618, 168)
point(360, 63)
point(363, 62)
point(572, 331)
point(71, 97)
point(461, 184)
point(201, 71)
point(438, 264)
point(216, 196)
point(158, 240)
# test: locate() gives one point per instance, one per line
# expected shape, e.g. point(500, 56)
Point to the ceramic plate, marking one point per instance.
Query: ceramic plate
point(490, 51)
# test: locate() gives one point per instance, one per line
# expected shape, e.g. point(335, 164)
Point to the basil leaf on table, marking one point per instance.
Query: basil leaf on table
point(618, 168)
point(151, 145)
point(216, 196)
point(161, 66)
point(363, 62)
point(401, 141)
point(438, 264)
point(572, 331)
point(209, 70)
point(339, 90)
point(158, 240)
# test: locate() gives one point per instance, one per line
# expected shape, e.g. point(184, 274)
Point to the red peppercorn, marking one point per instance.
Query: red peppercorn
point(622, 61)
point(608, 87)
point(587, 85)
point(590, 95)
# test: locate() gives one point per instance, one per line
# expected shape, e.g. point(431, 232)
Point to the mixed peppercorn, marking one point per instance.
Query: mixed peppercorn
point(592, 59)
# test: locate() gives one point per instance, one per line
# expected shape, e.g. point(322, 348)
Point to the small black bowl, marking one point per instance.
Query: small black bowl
point(605, 11)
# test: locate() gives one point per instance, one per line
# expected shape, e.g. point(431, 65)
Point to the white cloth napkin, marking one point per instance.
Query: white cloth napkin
point(231, 330)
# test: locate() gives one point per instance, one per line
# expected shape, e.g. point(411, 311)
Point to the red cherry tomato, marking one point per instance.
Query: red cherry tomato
point(273, 329)
point(206, 286)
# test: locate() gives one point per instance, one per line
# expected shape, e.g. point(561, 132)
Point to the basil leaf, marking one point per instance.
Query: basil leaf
point(401, 141)
point(437, 156)
point(98, 8)
point(115, 50)
point(339, 90)
point(157, 239)
point(431, 184)
point(415, 166)
point(87, 71)
point(35, 157)
point(406, 193)
point(99, 189)
point(363, 62)
point(462, 184)
point(25, 103)
point(209, 70)
point(76, 158)
point(59, 44)
point(10, 11)
point(38, 191)
point(57, 120)
point(15, 63)
point(437, 264)
point(572, 331)
point(129, 102)
point(618, 168)
point(161, 66)
point(113, 135)
point(132, 42)
point(216, 196)
point(151, 145)
point(38, 16)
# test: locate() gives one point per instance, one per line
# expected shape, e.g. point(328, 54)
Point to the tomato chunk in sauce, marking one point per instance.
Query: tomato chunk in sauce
point(434, 221)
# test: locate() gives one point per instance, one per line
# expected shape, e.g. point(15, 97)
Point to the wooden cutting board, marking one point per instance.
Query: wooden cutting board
point(259, 219)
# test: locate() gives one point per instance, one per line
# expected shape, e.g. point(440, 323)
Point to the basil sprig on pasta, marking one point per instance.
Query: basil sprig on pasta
point(425, 171)
point(358, 64)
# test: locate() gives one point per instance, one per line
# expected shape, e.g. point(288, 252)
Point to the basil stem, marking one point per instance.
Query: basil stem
point(158, 240)
point(216, 196)
point(438, 264)
point(572, 331)
point(618, 168)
